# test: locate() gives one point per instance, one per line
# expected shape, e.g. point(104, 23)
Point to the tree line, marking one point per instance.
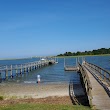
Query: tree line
point(93, 52)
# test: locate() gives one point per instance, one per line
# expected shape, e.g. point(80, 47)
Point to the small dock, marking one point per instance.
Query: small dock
point(71, 68)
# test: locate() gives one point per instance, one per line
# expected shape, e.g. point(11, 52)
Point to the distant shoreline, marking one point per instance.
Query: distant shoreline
point(54, 56)
point(82, 56)
point(17, 58)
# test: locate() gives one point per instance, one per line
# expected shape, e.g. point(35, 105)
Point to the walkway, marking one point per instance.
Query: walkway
point(101, 99)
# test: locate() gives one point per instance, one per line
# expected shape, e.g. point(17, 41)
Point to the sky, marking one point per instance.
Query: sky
point(50, 27)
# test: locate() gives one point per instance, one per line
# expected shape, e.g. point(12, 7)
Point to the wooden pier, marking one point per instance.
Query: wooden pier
point(97, 84)
point(14, 70)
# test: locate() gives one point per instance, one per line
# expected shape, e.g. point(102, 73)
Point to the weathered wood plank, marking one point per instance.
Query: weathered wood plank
point(101, 99)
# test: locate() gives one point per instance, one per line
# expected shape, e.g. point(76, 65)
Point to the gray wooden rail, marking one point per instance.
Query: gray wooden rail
point(102, 73)
point(96, 81)
point(100, 81)
point(86, 82)
point(8, 70)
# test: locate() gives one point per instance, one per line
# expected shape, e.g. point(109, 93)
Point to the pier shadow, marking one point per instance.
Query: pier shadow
point(77, 94)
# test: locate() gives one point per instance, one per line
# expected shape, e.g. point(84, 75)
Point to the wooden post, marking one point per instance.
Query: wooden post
point(21, 69)
point(6, 72)
point(99, 72)
point(28, 69)
point(78, 59)
point(0, 77)
point(64, 62)
point(24, 68)
point(82, 60)
point(11, 73)
point(105, 76)
point(30, 66)
point(16, 71)
point(76, 62)
point(109, 77)
point(35, 66)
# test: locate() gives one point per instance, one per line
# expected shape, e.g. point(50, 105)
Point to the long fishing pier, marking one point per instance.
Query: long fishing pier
point(14, 70)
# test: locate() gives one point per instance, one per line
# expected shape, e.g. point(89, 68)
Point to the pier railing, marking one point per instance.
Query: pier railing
point(7, 70)
point(102, 73)
point(86, 82)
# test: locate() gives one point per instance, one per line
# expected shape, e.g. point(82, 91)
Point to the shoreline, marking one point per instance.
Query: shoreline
point(25, 91)
point(53, 56)
point(82, 56)
point(18, 91)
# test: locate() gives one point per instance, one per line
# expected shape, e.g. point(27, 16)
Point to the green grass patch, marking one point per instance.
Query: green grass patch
point(43, 107)
point(1, 97)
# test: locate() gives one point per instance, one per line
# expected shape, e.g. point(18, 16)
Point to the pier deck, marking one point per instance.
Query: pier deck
point(100, 89)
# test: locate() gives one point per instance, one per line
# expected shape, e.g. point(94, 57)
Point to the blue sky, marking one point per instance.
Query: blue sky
point(50, 27)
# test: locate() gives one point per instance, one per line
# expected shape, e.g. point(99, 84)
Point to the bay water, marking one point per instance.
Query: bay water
point(55, 73)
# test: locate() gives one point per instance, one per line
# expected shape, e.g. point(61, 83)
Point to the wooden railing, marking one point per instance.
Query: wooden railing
point(26, 67)
point(102, 73)
point(86, 82)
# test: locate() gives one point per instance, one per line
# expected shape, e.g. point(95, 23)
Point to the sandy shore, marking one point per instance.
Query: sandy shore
point(33, 90)
point(36, 90)
point(37, 93)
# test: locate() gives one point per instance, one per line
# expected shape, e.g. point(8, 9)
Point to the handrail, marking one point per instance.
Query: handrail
point(24, 65)
point(87, 82)
point(104, 74)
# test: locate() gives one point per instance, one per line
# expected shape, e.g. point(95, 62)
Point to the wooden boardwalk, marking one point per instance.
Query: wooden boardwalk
point(98, 86)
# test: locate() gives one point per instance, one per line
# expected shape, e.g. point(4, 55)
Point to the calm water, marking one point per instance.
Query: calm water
point(55, 73)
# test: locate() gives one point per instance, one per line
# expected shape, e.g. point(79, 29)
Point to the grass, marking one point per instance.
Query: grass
point(32, 106)
point(1, 97)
